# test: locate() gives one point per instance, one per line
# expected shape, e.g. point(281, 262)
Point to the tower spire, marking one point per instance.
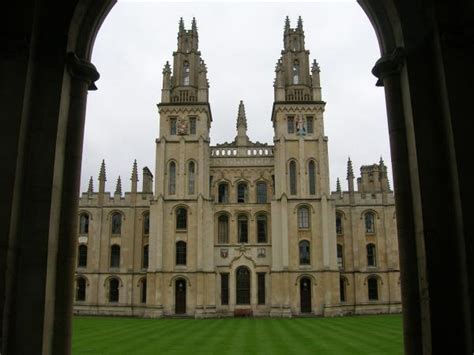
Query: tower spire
point(287, 24)
point(194, 26)
point(181, 25)
point(242, 138)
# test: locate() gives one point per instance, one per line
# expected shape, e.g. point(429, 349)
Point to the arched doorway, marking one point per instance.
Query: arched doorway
point(305, 295)
point(180, 296)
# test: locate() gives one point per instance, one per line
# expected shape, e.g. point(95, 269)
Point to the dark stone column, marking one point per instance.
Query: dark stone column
point(387, 69)
point(83, 75)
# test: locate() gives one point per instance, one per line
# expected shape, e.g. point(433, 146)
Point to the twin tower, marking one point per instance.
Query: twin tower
point(240, 228)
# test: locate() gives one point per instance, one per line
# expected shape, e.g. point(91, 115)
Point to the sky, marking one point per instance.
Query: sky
point(240, 43)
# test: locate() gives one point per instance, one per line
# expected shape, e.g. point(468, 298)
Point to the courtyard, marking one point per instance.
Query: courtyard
point(376, 335)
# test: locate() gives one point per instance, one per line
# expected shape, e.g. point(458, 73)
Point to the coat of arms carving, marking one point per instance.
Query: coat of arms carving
point(182, 127)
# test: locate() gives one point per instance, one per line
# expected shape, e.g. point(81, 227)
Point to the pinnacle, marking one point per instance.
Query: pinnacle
point(338, 185)
point(90, 189)
point(102, 175)
point(350, 171)
point(134, 171)
point(241, 118)
point(300, 23)
point(118, 188)
point(315, 66)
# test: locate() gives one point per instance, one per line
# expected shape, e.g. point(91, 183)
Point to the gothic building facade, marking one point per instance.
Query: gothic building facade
point(239, 228)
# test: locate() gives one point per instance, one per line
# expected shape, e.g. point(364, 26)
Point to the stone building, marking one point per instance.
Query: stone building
point(243, 227)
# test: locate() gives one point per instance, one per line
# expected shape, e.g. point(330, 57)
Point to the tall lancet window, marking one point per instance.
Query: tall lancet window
point(186, 73)
point(172, 178)
point(292, 178)
point(191, 177)
point(312, 177)
point(296, 72)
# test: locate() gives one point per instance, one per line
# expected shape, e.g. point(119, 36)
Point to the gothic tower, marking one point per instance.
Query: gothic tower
point(182, 183)
point(302, 212)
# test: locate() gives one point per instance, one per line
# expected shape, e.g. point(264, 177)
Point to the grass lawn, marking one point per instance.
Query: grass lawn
point(376, 335)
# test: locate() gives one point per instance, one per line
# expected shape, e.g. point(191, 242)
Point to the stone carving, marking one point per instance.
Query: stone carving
point(224, 253)
point(182, 126)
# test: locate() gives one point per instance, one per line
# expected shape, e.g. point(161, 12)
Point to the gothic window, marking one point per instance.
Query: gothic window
point(243, 285)
point(371, 255)
point(261, 288)
point(303, 217)
point(192, 125)
point(340, 256)
point(81, 289)
point(84, 223)
point(114, 290)
point(173, 126)
point(373, 289)
point(146, 223)
point(181, 253)
point(261, 228)
point(339, 229)
point(186, 73)
point(191, 177)
point(82, 256)
point(291, 124)
point(181, 219)
point(223, 229)
point(304, 253)
point(172, 178)
point(312, 177)
point(224, 289)
point(115, 256)
point(223, 192)
point(242, 228)
point(143, 291)
point(369, 219)
point(145, 257)
point(296, 72)
point(309, 125)
point(242, 192)
point(342, 289)
point(116, 223)
point(292, 167)
point(261, 192)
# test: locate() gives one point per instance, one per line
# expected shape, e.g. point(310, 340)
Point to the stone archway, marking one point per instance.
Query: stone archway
point(426, 70)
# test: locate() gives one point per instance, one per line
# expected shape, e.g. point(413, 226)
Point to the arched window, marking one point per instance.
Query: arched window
point(82, 256)
point(114, 290)
point(115, 256)
point(305, 256)
point(172, 178)
point(339, 227)
point(342, 289)
point(242, 192)
point(373, 289)
point(296, 72)
point(181, 253)
point(369, 222)
point(292, 177)
point(223, 192)
point(181, 218)
point(143, 291)
point(185, 73)
point(303, 217)
point(371, 255)
point(116, 223)
point(243, 228)
point(242, 285)
point(261, 192)
point(340, 256)
point(312, 177)
point(191, 177)
point(223, 229)
point(261, 228)
point(81, 289)
point(146, 223)
point(84, 223)
point(145, 257)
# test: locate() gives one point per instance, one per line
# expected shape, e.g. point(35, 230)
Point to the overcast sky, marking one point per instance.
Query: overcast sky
point(240, 43)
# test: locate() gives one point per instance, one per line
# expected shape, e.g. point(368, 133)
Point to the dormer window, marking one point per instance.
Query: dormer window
point(296, 72)
point(186, 73)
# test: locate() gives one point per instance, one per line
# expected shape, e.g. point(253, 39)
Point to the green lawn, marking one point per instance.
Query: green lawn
point(377, 335)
